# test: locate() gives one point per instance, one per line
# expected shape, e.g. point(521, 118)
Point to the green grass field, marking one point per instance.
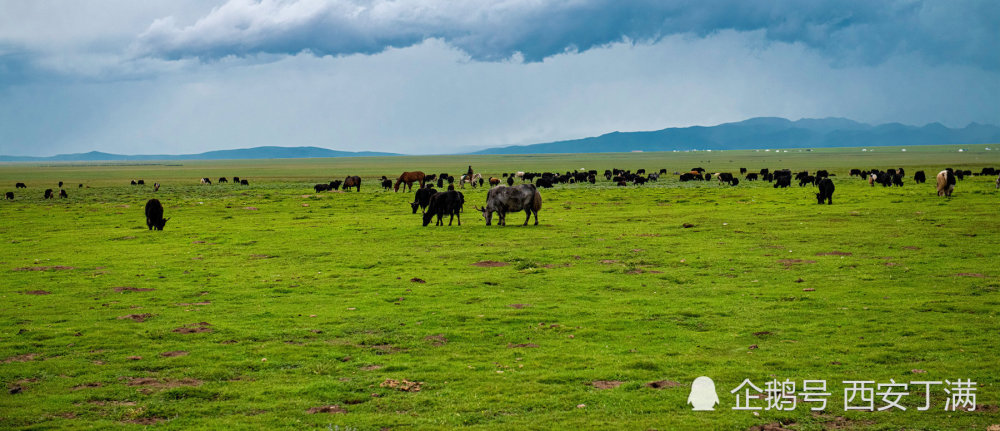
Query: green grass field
point(259, 303)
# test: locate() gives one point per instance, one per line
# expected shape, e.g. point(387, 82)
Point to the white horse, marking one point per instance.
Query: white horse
point(470, 179)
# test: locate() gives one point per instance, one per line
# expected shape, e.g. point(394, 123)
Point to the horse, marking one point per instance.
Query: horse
point(471, 179)
point(409, 178)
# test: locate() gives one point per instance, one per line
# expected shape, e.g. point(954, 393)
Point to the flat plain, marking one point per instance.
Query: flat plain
point(271, 305)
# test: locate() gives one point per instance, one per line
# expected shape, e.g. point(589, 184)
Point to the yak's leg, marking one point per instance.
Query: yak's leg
point(526, 220)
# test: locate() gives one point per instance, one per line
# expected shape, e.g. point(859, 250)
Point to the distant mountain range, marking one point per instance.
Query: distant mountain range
point(755, 133)
point(244, 153)
point(767, 132)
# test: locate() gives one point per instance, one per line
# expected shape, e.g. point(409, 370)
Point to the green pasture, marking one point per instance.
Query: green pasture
point(258, 303)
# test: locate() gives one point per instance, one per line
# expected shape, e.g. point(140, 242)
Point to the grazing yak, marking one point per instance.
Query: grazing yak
point(134, 183)
point(60, 184)
point(352, 181)
point(449, 202)
point(156, 187)
point(409, 178)
point(141, 182)
point(244, 183)
point(494, 181)
point(10, 196)
point(510, 180)
point(945, 182)
point(48, 193)
point(62, 194)
point(236, 180)
point(321, 187)
point(206, 181)
point(154, 215)
point(386, 184)
point(20, 186)
point(223, 180)
point(422, 198)
point(919, 177)
point(502, 200)
point(825, 191)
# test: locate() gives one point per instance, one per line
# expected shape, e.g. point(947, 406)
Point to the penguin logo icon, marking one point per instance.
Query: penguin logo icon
point(703, 396)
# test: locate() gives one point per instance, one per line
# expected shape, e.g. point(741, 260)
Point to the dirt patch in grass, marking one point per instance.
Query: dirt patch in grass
point(250, 208)
point(606, 384)
point(522, 346)
point(326, 409)
point(145, 421)
point(153, 383)
point(608, 261)
point(790, 262)
point(489, 264)
point(834, 253)
point(133, 289)
point(371, 367)
point(660, 384)
point(192, 328)
point(136, 317)
point(188, 304)
point(401, 385)
point(123, 238)
point(970, 274)
point(840, 422)
point(383, 349)
point(762, 333)
point(261, 256)
point(687, 225)
point(519, 306)
point(437, 340)
point(45, 268)
point(37, 292)
point(644, 271)
point(174, 353)
point(112, 403)
point(418, 280)
point(87, 386)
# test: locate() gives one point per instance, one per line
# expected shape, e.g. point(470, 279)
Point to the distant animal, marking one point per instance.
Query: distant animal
point(471, 179)
point(48, 193)
point(480, 181)
point(735, 181)
point(321, 187)
point(445, 203)
point(10, 196)
point(825, 191)
point(510, 180)
point(782, 181)
point(62, 194)
point(743, 171)
point(352, 181)
point(409, 178)
point(244, 183)
point(236, 180)
point(335, 185)
point(544, 183)
point(156, 187)
point(494, 181)
point(386, 184)
point(141, 182)
point(945, 182)
point(80, 186)
point(223, 180)
point(919, 177)
point(134, 183)
point(501, 200)
point(60, 184)
point(206, 181)
point(751, 176)
point(429, 178)
point(897, 180)
point(422, 198)
point(154, 215)
point(20, 186)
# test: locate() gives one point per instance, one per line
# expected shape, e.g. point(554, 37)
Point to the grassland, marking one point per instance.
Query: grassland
point(258, 303)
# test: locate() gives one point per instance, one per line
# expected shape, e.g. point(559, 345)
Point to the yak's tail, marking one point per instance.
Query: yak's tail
point(537, 201)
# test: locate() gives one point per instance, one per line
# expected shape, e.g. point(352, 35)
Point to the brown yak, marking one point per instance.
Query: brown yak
point(409, 178)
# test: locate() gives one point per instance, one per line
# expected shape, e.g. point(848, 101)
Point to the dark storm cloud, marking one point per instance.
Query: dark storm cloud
point(847, 32)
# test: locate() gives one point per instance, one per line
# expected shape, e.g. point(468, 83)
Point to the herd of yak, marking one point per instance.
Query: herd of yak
point(525, 196)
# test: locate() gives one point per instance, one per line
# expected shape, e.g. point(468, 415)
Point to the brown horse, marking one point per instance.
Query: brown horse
point(352, 181)
point(409, 178)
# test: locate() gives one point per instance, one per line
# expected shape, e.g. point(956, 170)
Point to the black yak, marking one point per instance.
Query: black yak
point(449, 202)
point(154, 215)
point(825, 191)
point(352, 181)
point(422, 198)
point(48, 193)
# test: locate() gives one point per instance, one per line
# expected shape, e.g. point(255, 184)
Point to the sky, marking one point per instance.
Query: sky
point(446, 76)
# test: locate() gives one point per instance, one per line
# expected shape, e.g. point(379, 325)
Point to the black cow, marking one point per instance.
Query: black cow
point(335, 185)
point(422, 198)
point(10, 196)
point(141, 182)
point(386, 184)
point(321, 187)
point(154, 215)
point(545, 183)
point(244, 183)
point(735, 181)
point(919, 177)
point(236, 180)
point(743, 171)
point(223, 180)
point(449, 202)
point(352, 181)
point(62, 194)
point(20, 186)
point(502, 200)
point(751, 177)
point(806, 179)
point(782, 181)
point(510, 180)
point(825, 191)
point(48, 193)
point(897, 180)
